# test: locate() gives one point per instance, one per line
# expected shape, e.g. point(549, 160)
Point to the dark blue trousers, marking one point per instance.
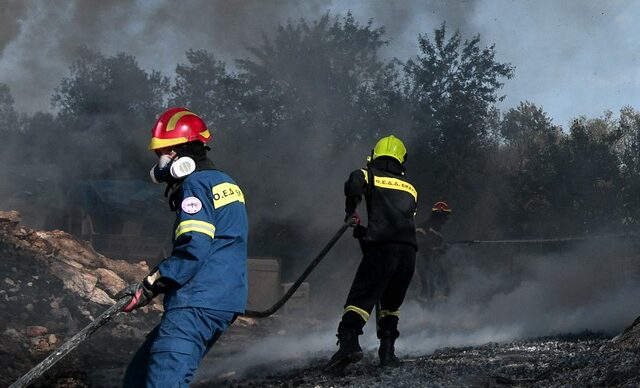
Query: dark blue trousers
point(173, 350)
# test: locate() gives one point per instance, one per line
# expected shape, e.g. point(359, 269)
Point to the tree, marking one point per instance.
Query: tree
point(8, 114)
point(204, 85)
point(452, 86)
point(532, 159)
point(322, 78)
point(594, 179)
point(106, 108)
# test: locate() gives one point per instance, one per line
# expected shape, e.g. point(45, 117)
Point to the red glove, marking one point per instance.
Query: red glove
point(141, 294)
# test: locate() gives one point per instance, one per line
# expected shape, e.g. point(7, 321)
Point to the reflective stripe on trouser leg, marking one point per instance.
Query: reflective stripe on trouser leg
point(353, 319)
point(385, 313)
point(357, 310)
point(388, 324)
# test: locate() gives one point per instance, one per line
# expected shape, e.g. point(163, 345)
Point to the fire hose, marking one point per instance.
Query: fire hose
point(546, 240)
point(294, 286)
point(106, 316)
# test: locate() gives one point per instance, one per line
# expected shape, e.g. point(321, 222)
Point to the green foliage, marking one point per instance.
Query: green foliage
point(308, 104)
point(452, 86)
point(8, 115)
point(321, 77)
point(106, 107)
point(204, 85)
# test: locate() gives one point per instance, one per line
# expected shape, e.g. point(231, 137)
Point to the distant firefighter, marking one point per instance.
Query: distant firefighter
point(389, 251)
point(434, 279)
point(204, 280)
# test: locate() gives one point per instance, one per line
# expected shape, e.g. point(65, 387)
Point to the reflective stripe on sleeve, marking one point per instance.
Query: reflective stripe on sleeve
point(366, 175)
point(195, 226)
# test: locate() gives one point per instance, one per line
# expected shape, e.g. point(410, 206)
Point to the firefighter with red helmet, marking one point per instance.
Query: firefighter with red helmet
point(389, 250)
point(204, 280)
point(434, 279)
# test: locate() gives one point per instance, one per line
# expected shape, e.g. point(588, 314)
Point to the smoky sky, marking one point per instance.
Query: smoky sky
point(571, 57)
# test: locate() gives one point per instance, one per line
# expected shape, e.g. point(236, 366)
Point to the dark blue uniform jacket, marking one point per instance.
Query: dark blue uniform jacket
point(209, 257)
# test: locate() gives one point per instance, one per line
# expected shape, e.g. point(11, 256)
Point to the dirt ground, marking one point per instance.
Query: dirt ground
point(575, 360)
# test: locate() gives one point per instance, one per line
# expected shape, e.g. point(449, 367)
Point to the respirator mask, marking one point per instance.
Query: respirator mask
point(172, 169)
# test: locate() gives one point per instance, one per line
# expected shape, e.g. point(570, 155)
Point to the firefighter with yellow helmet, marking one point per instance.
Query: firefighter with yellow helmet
point(389, 251)
point(204, 280)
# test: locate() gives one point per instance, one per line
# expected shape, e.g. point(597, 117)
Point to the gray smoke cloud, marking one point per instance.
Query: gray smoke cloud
point(572, 57)
point(591, 286)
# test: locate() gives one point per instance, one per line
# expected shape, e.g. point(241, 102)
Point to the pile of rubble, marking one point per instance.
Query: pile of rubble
point(51, 286)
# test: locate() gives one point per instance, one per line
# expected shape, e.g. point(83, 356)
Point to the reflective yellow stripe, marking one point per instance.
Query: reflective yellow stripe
point(195, 226)
point(357, 310)
point(157, 143)
point(226, 193)
point(386, 313)
point(173, 121)
point(366, 175)
point(395, 184)
point(205, 134)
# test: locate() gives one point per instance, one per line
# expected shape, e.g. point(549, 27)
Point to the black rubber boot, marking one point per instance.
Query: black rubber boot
point(348, 353)
point(387, 351)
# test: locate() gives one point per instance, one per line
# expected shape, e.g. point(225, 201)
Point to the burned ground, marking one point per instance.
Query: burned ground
point(559, 361)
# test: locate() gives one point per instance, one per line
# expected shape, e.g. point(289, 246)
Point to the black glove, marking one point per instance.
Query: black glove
point(359, 232)
point(141, 294)
point(352, 219)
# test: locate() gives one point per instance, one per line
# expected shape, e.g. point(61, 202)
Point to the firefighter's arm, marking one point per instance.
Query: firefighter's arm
point(436, 239)
point(192, 239)
point(354, 189)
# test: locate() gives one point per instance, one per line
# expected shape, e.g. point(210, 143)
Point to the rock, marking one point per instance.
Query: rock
point(9, 218)
point(80, 283)
point(245, 321)
point(35, 331)
point(55, 303)
point(110, 281)
point(100, 297)
point(12, 334)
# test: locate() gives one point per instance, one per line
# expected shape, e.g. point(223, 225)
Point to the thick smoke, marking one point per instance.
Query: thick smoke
point(555, 46)
point(590, 286)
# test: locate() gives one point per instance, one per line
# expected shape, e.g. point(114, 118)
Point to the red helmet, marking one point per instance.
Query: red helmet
point(177, 126)
point(441, 206)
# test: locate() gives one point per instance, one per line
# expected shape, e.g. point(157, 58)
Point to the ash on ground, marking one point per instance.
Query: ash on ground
point(583, 360)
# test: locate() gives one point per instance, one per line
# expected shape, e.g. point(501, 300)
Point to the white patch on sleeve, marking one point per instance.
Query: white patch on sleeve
point(191, 205)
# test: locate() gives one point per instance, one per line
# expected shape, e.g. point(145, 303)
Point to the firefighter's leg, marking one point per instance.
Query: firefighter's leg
point(445, 287)
point(366, 290)
point(404, 256)
point(185, 335)
point(425, 269)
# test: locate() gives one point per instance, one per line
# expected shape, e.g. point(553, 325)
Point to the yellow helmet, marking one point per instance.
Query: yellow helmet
point(390, 146)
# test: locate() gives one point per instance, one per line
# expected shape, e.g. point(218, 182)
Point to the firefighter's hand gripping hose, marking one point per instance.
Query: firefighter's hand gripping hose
point(307, 271)
point(71, 344)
